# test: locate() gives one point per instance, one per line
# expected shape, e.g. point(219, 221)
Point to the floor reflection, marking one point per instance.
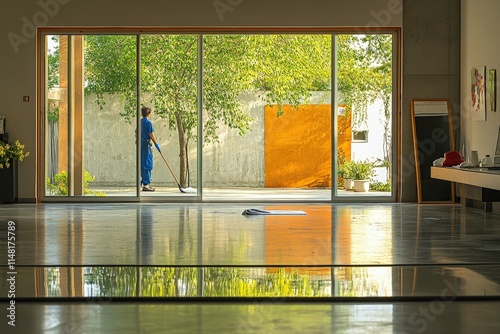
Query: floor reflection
point(216, 235)
point(385, 281)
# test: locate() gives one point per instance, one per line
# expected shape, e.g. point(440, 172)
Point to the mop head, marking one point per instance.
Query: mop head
point(188, 190)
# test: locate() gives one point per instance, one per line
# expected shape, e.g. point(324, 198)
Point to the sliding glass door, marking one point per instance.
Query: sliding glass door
point(93, 123)
point(366, 108)
point(89, 140)
point(236, 117)
point(267, 117)
point(170, 89)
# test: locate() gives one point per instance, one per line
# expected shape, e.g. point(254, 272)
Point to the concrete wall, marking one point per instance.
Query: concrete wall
point(237, 160)
point(18, 56)
point(109, 147)
point(431, 69)
point(479, 25)
point(109, 143)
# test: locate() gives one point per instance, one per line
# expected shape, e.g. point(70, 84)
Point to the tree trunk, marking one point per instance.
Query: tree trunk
point(182, 151)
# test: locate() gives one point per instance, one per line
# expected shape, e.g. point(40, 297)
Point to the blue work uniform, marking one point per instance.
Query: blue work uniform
point(146, 151)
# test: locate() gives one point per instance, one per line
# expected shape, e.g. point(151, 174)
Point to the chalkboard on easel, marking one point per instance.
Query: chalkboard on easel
point(432, 138)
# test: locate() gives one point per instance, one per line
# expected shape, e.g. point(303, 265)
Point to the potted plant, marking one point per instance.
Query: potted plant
point(9, 155)
point(344, 172)
point(362, 172)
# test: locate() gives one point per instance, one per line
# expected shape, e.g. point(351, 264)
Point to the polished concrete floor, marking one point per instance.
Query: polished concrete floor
point(246, 194)
point(206, 268)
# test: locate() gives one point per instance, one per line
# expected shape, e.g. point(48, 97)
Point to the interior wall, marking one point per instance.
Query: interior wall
point(20, 19)
point(431, 69)
point(479, 47)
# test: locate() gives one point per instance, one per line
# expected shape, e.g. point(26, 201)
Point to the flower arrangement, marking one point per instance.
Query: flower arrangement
point(11, 152)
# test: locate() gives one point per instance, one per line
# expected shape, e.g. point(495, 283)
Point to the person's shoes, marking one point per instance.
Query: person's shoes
point(148, 188)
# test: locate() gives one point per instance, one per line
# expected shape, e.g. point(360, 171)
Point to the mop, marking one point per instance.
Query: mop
point(258, 212)
point(183, 190)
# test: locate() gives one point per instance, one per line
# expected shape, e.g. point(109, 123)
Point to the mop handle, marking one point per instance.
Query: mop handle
point(170, 169)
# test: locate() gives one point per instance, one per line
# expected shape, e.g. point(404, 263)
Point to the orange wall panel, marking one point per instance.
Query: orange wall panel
point(298, 146)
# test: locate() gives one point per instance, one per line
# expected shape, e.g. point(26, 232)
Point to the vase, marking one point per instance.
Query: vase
point(8, 183)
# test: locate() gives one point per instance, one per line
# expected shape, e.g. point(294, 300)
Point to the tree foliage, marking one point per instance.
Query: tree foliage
point(283, 68)
point(53, 64)
point(364, 71)
point(110, 68)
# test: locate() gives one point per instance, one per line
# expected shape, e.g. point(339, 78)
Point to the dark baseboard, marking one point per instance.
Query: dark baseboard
point(496, 208)
point(26, 200)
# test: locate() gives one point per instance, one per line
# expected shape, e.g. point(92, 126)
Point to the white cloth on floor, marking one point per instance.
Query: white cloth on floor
point(274, 212)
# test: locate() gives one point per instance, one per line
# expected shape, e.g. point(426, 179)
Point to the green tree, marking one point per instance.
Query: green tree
point(53, 64)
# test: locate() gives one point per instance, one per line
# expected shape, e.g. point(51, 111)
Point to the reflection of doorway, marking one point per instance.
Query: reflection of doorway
point(298, 146)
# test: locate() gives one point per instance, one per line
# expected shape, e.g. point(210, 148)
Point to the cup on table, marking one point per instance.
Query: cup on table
point(486, 161)
point(474, 158)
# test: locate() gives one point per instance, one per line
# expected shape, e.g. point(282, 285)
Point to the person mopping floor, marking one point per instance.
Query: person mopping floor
point(147, 140)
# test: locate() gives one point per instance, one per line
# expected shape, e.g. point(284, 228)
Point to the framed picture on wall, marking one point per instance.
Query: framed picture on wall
point(478, 93)
point(492, 90)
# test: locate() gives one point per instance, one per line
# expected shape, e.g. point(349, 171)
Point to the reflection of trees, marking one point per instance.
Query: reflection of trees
point(360, 282)
point(169, 282)
point(225, 282)
point(110, 281)
point(53, 283)
point(217, 282)
point(242, 282)
point(155, 282)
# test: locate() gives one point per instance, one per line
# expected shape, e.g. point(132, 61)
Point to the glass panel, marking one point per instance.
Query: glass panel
point(110, 108)
point(364, 93)
point(169, 88)
point(56, 118)
point(266, 107)
point(91, 103)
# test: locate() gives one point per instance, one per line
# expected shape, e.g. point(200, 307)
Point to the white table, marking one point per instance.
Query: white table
point(479, 184)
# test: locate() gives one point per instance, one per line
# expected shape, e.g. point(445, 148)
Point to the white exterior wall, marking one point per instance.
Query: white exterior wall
point(373, 148)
